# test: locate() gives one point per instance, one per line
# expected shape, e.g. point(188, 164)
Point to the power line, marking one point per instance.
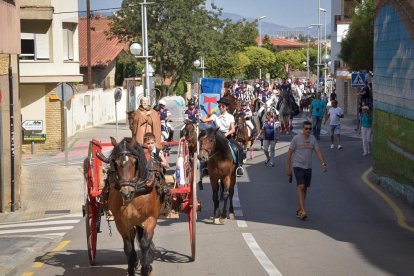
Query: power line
point(107, 9)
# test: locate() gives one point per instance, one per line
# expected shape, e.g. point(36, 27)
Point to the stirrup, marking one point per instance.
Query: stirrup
point(240, 171)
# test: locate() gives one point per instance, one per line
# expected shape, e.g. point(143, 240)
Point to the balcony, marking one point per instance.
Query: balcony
point(35, 16)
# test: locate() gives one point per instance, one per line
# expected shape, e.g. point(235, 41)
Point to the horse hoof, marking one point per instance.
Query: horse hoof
point(232, 216)
point(223, 220)
point(217, 221)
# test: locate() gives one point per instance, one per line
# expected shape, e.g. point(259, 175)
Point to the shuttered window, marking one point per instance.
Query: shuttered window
point(35, 46)
point(68, 32)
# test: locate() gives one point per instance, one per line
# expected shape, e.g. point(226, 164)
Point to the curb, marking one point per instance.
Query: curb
point(10, 264)
point(405, 192)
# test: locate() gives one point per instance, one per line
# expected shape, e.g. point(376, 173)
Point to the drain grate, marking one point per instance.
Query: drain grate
point(50, 212)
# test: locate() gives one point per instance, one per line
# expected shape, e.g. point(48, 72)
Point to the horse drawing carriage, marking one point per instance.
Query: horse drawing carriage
point(180, 196)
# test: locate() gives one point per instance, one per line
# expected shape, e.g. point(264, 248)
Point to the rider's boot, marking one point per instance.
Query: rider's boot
point(240, 157)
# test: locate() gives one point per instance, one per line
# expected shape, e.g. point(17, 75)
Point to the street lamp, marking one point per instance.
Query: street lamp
point(136, 49)
point(319, 40)
point(325, 12)
point(325, 60)
point(200, 65)
point(260, 39)
point(307, 52)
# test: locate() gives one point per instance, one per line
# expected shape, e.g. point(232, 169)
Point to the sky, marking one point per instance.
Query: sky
point(290, 13)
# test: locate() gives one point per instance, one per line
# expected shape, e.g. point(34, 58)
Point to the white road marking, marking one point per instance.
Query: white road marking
point(60, 234)
point(236, 203)
point(260, 255)
point(39, 223)
point(32, 230)
point(241, 223)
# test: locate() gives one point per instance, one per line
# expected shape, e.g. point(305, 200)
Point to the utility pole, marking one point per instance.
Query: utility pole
point(88, 42)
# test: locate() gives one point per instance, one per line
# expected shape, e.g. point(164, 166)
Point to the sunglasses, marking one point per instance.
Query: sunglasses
point(307, 128)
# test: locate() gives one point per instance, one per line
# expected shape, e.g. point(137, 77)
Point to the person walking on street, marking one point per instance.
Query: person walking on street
point(317, 110)
point(366, 130)
point(299, 157)
point(335, 114)
point(271, 129)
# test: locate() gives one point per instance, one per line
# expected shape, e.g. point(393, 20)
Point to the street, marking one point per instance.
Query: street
point(350, 229)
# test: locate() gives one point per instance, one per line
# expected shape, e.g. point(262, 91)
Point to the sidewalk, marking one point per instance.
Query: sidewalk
point(49, 189)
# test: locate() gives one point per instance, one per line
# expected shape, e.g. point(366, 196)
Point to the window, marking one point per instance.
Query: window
point(35, 46)
point(68, 31)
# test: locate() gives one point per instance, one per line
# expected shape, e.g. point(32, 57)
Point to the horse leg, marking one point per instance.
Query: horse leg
point(129, 250)
point(226, 181)
point(231, 193)
point(215, 188)
point(147, 247)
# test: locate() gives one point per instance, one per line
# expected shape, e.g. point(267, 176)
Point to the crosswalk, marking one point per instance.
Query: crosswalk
point(53, 226)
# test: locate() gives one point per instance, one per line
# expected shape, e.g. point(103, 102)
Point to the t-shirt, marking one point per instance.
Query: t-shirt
point(318, 107)
point(223, 121)
point(334, 120)
point(366, 121)
point(270, 130)
point(303, 147)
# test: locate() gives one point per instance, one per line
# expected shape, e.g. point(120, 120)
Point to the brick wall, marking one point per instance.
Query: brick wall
point(54, 124)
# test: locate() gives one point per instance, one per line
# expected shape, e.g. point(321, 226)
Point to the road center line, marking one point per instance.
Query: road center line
point(260, 255)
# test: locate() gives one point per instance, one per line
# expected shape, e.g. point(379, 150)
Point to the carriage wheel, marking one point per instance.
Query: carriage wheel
point(91, 213)
point(193, 213)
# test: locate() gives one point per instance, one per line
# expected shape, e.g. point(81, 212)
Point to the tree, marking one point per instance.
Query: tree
point(294, 58)
point(357, 48)
point(260, 58)
point(179, 31)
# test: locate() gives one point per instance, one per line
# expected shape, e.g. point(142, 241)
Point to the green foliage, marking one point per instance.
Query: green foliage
point(294, 58)
point(260, 58)
point(180, 31)
point(357, 47)
point(126, 67)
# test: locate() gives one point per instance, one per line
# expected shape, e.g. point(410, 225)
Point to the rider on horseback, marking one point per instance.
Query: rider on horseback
point(167, 129)
point(226, 124)
point(247, 114)
point(191, 113)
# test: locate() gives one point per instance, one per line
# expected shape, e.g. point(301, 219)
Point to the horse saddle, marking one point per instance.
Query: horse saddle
point(234, 150)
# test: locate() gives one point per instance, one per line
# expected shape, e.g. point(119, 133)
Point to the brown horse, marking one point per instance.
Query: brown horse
point(215, 150)
point(242, 134)
point(190, 134)
point(134, 200)
point(235, 105)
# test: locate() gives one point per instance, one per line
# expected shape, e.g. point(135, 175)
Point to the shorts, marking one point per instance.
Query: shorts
point(303, 176)
point(335, 129)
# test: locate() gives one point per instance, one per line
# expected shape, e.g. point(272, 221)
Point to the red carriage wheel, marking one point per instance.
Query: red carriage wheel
point(194, 203)
point(91, 214)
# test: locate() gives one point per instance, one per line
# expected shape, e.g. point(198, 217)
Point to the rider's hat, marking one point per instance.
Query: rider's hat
point(244, 103)
point(265, 84)
point(191, 102)
point(163, 102)
point(224, 101)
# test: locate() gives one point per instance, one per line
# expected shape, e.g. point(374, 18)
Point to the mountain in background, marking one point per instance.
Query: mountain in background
point(273, 29)
point(267, 28)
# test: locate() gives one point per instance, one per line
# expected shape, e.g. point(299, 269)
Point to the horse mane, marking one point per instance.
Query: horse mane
point(222, 144)
point(128, 144)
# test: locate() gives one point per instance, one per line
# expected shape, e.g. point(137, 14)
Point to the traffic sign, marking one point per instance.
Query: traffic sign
point(358, 80)
point(64, 91)
point(118, 94)
point(33, 125)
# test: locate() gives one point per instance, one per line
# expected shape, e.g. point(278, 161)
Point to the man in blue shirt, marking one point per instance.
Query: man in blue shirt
point(317, 107)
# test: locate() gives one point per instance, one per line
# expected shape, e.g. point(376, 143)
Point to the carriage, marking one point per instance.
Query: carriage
point(182, 199)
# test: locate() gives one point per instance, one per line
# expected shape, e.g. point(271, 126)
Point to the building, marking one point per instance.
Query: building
point(341, 19)
point(104, 52)
point(281, 44)
point(49, 56)
point(393, 86)
point(10, 123)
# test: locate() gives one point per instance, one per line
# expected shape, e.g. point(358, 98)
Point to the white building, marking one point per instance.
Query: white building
point(50, 55)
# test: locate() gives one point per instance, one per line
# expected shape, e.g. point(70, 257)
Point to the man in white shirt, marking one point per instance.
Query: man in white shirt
point(226, 124)
point(335, 114)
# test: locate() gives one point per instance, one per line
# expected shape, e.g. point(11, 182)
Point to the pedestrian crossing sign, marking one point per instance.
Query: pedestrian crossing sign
point(358, 80)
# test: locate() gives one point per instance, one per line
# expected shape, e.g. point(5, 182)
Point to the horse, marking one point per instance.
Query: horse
point(215, 150)
point(134, 199)
point(285, 111)
point(243, 135)
point(190, 134)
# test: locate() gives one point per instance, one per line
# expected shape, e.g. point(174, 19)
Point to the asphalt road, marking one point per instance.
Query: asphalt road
point(350, 229)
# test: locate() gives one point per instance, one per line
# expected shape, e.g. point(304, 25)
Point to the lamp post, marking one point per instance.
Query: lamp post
point(136, 48)
point(325, 12)
point(199, 64)
point(319, 40)
point(307, 52)
point(260, 39)
point(325, 60)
